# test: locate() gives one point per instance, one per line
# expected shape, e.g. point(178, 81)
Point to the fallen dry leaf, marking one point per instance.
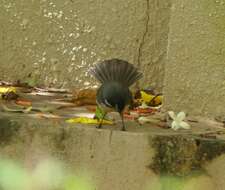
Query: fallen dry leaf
point(84, 97)
point(23, 102)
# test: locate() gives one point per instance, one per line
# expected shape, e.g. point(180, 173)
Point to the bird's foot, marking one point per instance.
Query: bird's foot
point(99, 126)
point(123, 128)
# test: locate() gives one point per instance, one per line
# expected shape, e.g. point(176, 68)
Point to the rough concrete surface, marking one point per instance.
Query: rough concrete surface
point(55, 42)
point(195, 71)
point(113, 159)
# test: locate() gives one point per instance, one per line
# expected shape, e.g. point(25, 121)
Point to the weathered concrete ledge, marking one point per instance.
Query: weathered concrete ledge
point(118, 160)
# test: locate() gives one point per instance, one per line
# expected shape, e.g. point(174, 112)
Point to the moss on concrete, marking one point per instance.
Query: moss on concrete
point(174, 155)
point(8, 129)
point(184, 156)
point(209, 150)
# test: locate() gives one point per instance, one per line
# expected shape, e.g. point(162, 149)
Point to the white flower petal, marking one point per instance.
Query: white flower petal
point(184, 125)
point(172, 115)
point(143, 120)
point(174, 125)
point(143, 105)
point(180, 116)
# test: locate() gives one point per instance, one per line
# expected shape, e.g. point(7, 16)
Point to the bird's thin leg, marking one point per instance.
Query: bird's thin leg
point(100, 124)
point(123, 125)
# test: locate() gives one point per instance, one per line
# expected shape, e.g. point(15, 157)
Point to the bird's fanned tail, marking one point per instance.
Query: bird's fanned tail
point(116, 70)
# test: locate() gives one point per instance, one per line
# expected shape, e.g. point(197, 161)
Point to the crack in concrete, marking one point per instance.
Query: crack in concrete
point(62, 138)
point(144, 34)
point(110, 136)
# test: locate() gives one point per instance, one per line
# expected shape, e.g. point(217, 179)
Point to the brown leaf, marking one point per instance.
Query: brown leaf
point(84, 97)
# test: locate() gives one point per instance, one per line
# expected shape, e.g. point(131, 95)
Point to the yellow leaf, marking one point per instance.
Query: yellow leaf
point(86, 120)
point(147, 98)
point(4, 89)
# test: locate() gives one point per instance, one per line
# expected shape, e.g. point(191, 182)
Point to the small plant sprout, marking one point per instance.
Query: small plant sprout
point(178, 120)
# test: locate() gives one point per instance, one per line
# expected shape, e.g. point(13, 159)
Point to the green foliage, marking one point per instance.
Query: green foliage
point(73, 183)
point(12, 176)
point(99, 113)
point(47, 175)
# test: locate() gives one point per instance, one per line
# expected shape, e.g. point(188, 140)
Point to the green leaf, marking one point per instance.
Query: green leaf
point(13, 176)
point(99, 113)
point(77, 183)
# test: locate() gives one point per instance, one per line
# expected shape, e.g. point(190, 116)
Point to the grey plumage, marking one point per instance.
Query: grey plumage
point(116, 70)
point(116, 77)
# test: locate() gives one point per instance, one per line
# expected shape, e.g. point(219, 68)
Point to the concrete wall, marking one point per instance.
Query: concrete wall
point(55, 42)
point(195, 71)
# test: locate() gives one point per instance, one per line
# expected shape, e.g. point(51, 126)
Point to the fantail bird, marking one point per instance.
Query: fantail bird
point(115, 76)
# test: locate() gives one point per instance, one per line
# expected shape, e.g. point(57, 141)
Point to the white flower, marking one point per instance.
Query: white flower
point(143, 120)
point(178, 122)
point(144, 105)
